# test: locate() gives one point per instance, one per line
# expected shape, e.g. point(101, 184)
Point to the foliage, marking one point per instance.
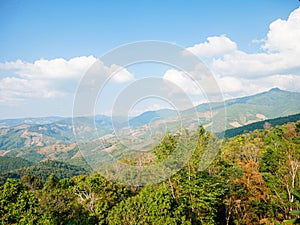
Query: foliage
point(44, 169)
point(253, 180)
point(294, 212)
point(17, 204)
point(153, 205)
point(259, 125)
point(12, 163)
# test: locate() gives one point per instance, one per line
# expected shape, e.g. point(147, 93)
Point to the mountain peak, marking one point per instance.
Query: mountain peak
point(275, 89)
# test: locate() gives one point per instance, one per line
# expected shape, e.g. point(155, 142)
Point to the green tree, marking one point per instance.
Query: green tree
point(18, 205)
point(167, 146)
point(153, 205)
point(60, 206)
point(98, 195)
point(295, 212)
point(32, 182)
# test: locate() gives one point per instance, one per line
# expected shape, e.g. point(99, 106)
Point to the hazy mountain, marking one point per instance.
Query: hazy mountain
point(246, 110)
point(34, 134)
point(151, 116)
point(61, 131)
point(39, 120)
point(267, 105)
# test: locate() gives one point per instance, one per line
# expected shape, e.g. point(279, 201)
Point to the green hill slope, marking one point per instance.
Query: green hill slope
point(259, 125)
point(44, 169)
point(13, 163)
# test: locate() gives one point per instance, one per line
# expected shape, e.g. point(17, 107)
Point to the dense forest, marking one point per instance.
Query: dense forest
point(258, 125)
point(41, 170)
point(253, 180)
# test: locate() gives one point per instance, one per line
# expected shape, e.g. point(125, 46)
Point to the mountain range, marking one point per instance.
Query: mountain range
point(43, 138)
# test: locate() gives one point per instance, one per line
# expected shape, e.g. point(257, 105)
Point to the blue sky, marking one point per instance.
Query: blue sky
point(36, 33)
point(49, 29)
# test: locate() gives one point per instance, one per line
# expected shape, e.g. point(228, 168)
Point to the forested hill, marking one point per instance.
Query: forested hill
point(251, 182)
point(258, 125)
point(38, 133)
point(18, 167)
point(13, 163)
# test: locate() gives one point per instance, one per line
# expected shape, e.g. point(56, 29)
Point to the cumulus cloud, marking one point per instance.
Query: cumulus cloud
point(238, 72)
point(242, 64)
point(51, 69)
point(284, 35)
point(183, 81)
point(15, 90)
point(49, 78)
point(232, 86)
point(121, 76)
point(189, 88)
point(214, 46)
point(241, 73)
point(281, 53)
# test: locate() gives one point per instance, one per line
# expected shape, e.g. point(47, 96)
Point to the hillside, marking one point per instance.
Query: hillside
point(246, 110)
point(13, 163)
point(268, 105)
point(42, 170)
point(258, 126)
point(37, 140)
point(41, 135)
point(252, 181)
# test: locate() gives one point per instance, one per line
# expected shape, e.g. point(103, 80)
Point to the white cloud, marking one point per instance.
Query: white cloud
point(281, 53)
point(122, 75)
point(214, 46)
point(183, 81)
point(51, 69)
point(284, 35)
point(241, 73)
point(232, 86)
point(238, 72)
point(189, 88)
point(286, 82)
point(49, 78)
point(15, 90)
point(242, 64)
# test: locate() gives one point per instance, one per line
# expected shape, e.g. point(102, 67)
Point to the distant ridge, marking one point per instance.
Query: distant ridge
point(150, 116)
point(53, 137)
